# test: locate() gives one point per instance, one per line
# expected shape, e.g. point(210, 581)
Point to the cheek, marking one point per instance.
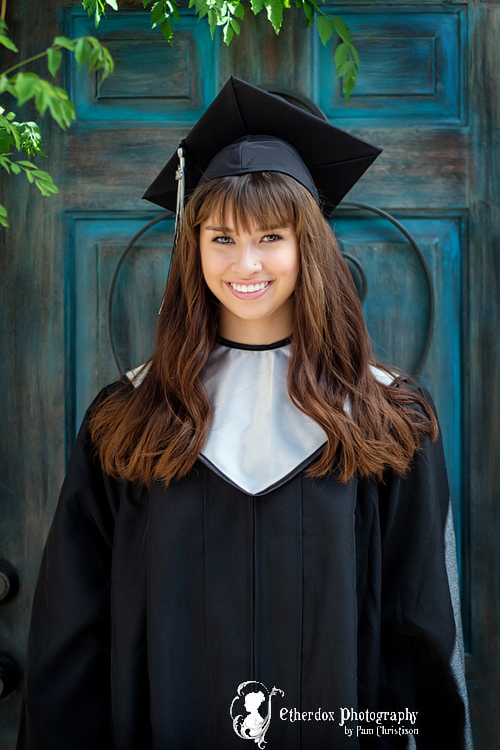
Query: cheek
point(207, 263)
point(212, 269)
point(288, 266)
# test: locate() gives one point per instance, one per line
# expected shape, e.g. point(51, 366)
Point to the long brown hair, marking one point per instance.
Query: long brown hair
point(157, 430)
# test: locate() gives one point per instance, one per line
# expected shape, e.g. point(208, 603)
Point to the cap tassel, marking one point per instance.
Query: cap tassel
point(180, 176)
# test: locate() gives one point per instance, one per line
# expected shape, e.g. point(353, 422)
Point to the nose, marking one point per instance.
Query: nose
point(247, 261)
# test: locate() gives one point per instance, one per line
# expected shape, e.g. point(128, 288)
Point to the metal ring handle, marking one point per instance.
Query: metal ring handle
point(112, 283)
point(287, 94)
point(364, 280)
point(430, 287)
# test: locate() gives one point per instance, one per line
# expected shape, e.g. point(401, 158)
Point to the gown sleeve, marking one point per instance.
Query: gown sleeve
point(422, 667)
point(67, 691)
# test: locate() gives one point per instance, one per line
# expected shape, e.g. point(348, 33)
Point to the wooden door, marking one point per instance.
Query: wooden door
point(426, 94)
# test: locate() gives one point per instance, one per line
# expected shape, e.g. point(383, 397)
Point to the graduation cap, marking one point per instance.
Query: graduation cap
point(246, 129)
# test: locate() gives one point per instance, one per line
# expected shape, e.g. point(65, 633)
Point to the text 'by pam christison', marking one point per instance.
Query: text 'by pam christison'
point(358, 723)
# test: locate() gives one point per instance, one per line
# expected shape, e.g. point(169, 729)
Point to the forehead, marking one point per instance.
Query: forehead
point(233, 218)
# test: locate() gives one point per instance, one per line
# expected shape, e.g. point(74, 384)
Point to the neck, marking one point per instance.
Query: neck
point(255, 332)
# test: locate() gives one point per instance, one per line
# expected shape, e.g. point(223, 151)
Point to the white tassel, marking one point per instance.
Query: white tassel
point(180, 176)
point(179, 209)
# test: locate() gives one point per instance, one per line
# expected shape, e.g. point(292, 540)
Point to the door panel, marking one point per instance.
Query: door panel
point(152, 81)
point(95, 243)
point(413, 67)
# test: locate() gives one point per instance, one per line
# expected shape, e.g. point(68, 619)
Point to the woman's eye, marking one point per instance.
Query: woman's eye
point(272, 238)
point(223, 240)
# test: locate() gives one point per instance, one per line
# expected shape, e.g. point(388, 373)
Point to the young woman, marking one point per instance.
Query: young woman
point(250, 543)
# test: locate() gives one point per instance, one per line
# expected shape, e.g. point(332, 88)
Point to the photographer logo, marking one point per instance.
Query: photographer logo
point(251, 711)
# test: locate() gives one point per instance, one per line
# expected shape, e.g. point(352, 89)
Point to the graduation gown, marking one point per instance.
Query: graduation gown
point(158, 611)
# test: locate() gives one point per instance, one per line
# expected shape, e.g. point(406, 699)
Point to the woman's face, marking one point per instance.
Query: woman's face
point(253, 274)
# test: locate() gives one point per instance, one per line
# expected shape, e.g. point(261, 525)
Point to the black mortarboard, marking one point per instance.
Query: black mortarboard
point(323, 158)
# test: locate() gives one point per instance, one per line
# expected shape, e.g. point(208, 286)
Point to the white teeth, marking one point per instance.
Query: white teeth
point(249, 287)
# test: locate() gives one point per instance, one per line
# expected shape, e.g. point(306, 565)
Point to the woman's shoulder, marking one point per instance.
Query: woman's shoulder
point(136, 375)
point(384, 375)
point(129, 380)
point(387, 375)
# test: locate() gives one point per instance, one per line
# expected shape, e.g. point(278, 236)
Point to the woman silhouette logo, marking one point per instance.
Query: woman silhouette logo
point(251, 711)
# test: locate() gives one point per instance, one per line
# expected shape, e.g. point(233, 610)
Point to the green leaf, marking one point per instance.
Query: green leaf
point(172, 11)
point(257, 6)
point(8, 43)
point(4, 82)
point(6, 141)
point(239, 11)
point(82, 51)
point(62, 110)
point(158, 13)
point(341, 54)
point(62, 41)
point(349, 83)
point(325, 28)
point(57, 91)
point(212, 21)
point(309, 13)
point(342, 29)
point(25, 86)
point(30, 138)
point(354, 53)
point(5, 162)
point(16, 169)
point(98, 7)
point(54, 60)
point(344, 68)
point(108, 63)
point(275, 14)
point(94, 60)
point(3, 216)
point(235, 25)
point(228, 33)
point(167, 31)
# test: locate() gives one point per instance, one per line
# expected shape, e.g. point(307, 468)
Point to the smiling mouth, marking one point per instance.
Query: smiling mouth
point(248, 288)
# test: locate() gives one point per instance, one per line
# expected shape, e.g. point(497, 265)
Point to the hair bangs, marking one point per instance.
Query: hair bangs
point(263, 199)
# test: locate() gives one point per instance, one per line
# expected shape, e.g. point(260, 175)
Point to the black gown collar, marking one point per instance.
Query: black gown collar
point(253, 347)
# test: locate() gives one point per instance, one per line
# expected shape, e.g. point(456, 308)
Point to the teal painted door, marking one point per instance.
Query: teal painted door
point(424, 95)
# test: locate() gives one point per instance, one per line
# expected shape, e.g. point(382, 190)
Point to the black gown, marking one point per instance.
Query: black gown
point(154, 607)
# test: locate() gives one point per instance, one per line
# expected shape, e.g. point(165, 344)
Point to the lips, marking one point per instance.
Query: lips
point(248, 291)
point(255, 287)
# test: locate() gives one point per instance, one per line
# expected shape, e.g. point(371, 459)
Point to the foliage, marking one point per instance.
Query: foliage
point(24, 86)
point(228, 13)
point(98, 7)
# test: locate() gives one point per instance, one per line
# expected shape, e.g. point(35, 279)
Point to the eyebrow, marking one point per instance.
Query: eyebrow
point(228, 230)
